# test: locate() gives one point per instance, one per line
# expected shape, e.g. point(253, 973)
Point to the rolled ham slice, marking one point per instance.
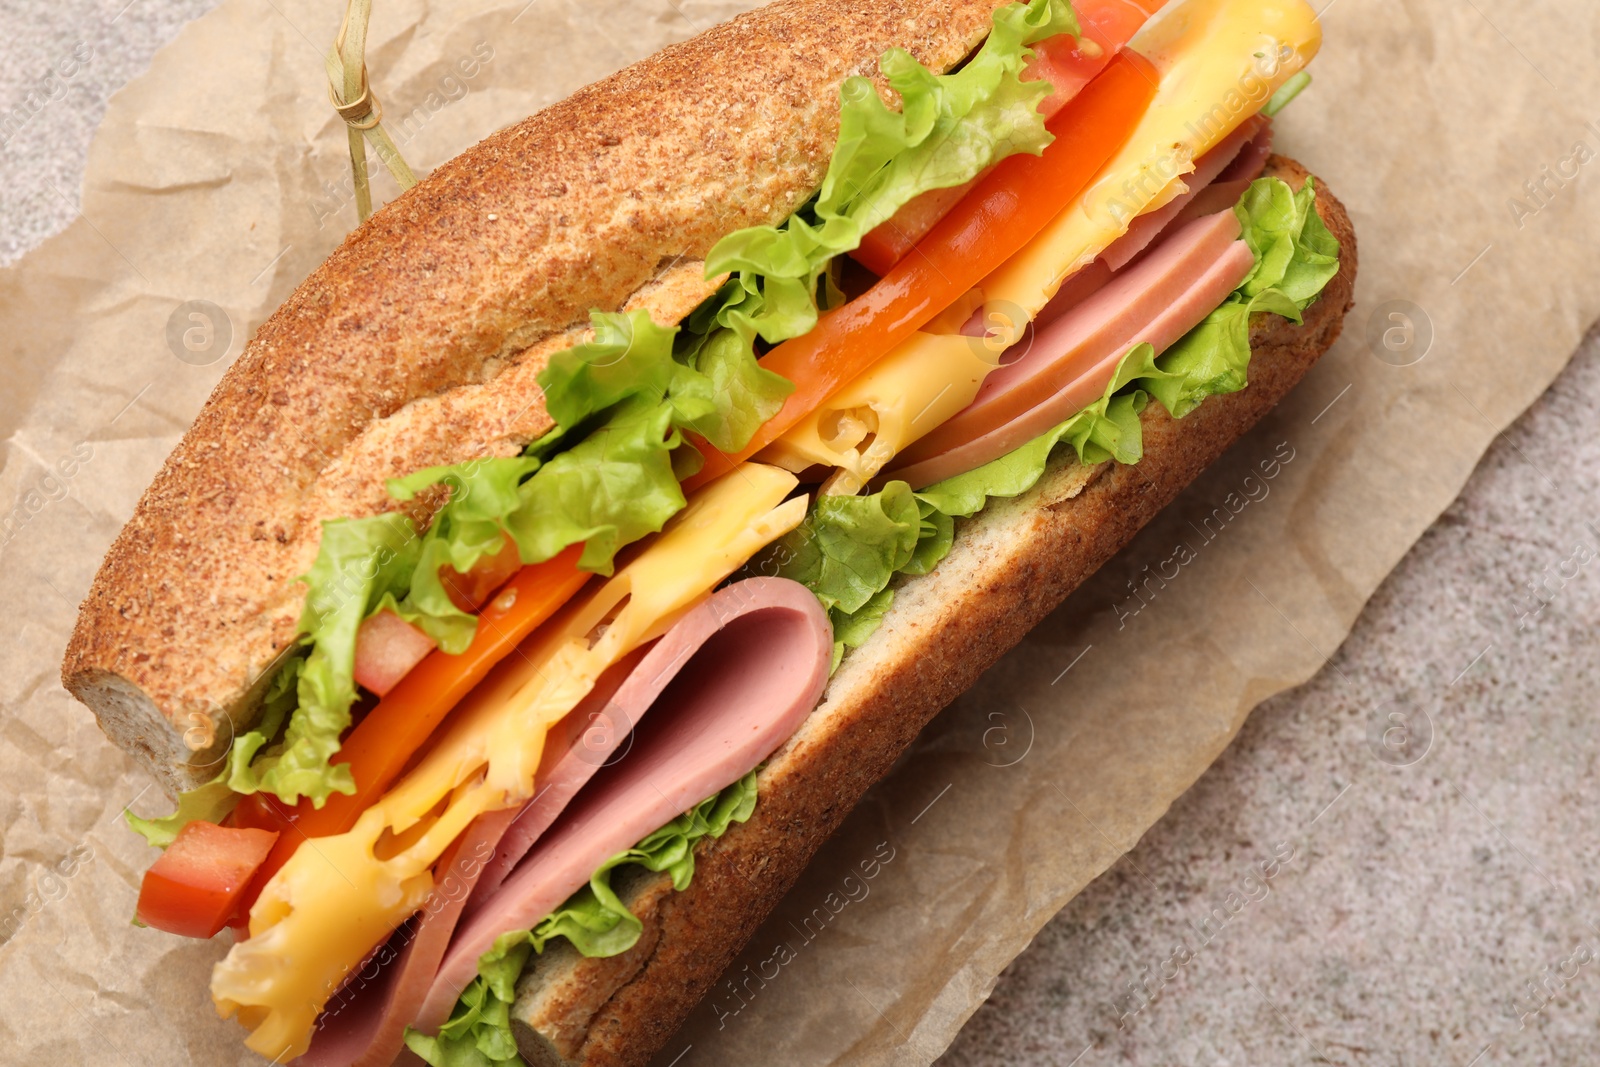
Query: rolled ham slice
point(1171, 289)
point(710, 723)
point(1087, 386)
point(726, 685)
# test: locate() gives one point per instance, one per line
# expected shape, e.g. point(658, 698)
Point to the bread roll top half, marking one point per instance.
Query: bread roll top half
point(417, 342)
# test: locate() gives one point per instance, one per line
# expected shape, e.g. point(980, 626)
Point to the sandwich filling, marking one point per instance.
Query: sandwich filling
point(1023, 255)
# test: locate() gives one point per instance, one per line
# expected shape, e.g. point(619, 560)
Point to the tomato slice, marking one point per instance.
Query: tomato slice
point(1068, 63)
point(194, 887)
point(471, 591)
point(387, 647)
point(381, 746)
point(1012, 204)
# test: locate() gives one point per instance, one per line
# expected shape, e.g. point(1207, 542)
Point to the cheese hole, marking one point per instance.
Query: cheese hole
point(600, 628)
point(845, 428)
point(390, 844)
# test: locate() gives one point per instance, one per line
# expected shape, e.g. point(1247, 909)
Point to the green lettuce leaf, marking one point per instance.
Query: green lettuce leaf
point(360, 564)
point(467, 527)
point(629, 356)
point(1214, 357)
point(478, 1032)
point(719, 390)
point(935, 535)
point(949, 128)
point(1295, 253)
point(851, 630)
point(1296, 257)
point(213, 801)
point(278, 704)
point(849, 547)
point(848, 550)
point(609, 490)
point(207, 803)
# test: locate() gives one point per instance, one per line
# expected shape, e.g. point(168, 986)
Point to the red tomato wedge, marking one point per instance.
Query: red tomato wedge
point(1009, 206)
point(471, 591)
point(1068, 64)
point(387, 647)
point(381, 746)
point(195, 886)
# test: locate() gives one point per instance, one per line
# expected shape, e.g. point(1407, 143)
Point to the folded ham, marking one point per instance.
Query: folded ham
point(1068, 364)
point(724, 687)
point(1154, 284)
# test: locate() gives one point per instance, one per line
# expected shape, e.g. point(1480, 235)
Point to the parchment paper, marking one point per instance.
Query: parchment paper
point(220, 177)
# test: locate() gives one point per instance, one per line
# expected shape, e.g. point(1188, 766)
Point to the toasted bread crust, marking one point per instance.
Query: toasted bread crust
point(1012, 564)
point(417, 342)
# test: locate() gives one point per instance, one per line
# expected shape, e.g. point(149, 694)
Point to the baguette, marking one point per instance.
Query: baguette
point(416, 343)
point(1011, 565)
point(419, 343)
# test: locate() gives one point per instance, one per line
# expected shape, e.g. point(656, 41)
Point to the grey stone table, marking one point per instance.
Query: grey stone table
point(1437, 912)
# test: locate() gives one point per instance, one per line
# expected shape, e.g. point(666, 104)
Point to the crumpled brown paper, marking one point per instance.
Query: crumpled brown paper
point(1459, 137)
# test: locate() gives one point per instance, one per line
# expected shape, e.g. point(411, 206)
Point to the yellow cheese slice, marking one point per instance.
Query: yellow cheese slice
point(923, 382)
point(339, 897)
point(1219, 61)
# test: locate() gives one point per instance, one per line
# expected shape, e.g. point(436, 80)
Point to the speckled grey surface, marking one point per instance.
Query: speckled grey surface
point(1434, 913)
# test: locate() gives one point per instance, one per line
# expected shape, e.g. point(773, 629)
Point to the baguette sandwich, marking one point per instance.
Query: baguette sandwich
point(562, 561)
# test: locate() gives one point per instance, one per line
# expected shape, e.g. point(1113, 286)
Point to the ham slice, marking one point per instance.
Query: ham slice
point(1218, 196)
point(1080, 285)
point(1144, 229)
point(364, 1022)
point(1147, 227)
point(1252, 159)
point(1089, 384)
point(740, 671)
point(1156, 300)
point(711, 721)
point(1218, 180)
